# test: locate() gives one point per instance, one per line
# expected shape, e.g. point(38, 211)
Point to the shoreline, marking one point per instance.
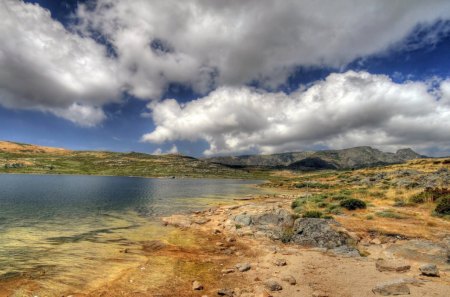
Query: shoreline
point(219, 245)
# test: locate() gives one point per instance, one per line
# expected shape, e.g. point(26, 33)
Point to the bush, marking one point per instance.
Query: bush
point(352, 204)
point(443, 206)
point(312, 214)
point(297, 203)
point(430, 194)
point(312, 185)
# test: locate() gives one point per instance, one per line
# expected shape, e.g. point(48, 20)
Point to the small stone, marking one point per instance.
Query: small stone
point(392, 265)
point(196, 285)
point(429, 270)
point(273, 285)
point(227, 270)
point(393, 287)
point(242, 267)
point(319, 294)
point(231, 239)
point(280, 262)
point(219, 244)
point(289, 279)
point(225, 292)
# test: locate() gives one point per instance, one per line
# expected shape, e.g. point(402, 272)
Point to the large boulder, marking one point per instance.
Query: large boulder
point(319, 233)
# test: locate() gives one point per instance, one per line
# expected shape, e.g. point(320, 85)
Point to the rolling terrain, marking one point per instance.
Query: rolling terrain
point(27, 158)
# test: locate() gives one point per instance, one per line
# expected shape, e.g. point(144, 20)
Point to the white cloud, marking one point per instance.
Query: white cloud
point(45, 67)
point(214, 42)
point(172, 150)
point(344, 110)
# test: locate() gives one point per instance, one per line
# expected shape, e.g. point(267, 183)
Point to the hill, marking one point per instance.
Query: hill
point(357, 157)
point(27, 158)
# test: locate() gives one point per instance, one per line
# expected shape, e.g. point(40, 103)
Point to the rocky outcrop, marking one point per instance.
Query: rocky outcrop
point(319, 233)
point(278, 224)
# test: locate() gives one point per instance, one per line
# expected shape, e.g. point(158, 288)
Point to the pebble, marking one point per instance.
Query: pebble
point(196, 285)
point(273, 285)
point(289, 279)
point(280, 262)
point(242, 267)
point(225, 292)
point(393, 287)
point(429, 270)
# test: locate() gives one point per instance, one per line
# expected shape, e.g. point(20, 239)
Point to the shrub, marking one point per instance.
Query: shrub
point(334, 209)
point(430, 194)
point(287, 234)
point(312, 214)
point(443, 206)
point(297, 203)
point(312, 185)
point(400, 203)
point(352, 204)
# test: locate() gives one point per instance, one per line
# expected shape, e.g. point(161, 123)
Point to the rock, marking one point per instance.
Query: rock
point(319, 233)
point(429, 270)
point(201, 221)
point(227, 270)
point(393, 287)
point(243, 220)
point(225, 292)
point(196, 285)
point(273, 285)
point(242, 267)
point(289, 279)
point(280, 262)
point(392, 265)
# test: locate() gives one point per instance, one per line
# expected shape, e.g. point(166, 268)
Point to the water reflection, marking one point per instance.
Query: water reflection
point(70, 230)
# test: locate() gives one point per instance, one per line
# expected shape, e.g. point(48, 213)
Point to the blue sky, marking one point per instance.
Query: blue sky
point(207, 94)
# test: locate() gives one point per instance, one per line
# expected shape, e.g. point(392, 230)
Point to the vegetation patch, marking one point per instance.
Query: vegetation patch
point(312, 185)
point(443, 206)
point(389, 214)
point(352, 204)
point(313, 214)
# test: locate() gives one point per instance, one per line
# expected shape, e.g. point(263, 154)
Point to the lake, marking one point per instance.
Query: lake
point(63, 231)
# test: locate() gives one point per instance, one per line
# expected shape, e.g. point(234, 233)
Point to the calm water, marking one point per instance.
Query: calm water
point(66, 227)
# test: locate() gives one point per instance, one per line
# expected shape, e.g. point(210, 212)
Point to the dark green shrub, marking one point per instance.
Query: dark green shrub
point(287, 234)
point(312, 214)
point(443, 206)
point(352, 204)
point(312, 185)
point(297, 203)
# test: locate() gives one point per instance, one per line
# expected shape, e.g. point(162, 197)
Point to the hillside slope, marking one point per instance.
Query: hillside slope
point(357, 157)
point(24, 158)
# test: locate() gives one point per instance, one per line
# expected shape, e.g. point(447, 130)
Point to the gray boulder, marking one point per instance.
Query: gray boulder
point(319, 233)
point(429, 270)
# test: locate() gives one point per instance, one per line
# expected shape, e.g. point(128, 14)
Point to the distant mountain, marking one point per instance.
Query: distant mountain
point(357, 157)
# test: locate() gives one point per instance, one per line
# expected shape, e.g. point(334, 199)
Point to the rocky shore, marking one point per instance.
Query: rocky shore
point(272, 252)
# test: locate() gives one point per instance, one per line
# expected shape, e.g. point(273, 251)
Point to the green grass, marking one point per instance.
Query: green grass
point(120, 164)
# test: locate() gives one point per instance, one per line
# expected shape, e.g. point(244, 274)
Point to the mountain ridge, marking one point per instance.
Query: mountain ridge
point(356, 157)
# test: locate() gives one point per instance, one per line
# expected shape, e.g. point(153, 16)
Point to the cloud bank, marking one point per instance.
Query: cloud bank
point(348, 109)
point(45, 67)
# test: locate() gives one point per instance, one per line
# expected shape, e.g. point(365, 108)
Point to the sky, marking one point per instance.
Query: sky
point(212, 77)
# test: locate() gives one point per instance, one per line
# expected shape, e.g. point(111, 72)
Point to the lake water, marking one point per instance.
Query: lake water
point(64, 230)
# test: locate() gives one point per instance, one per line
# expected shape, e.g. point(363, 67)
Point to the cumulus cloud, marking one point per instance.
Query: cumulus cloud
point(206, 43)
point(43, 66)
point(345, 109)
point(172, 150)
